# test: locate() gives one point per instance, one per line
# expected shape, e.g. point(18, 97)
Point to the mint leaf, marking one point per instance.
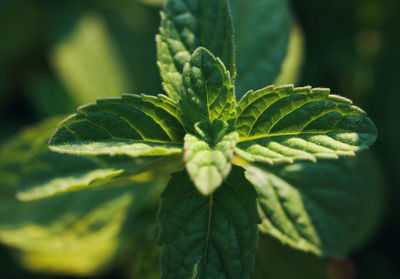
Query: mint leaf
point(186, 25)
point(327, 208)
point(208, 237)
point(134, 125)
point(88, 62)
point(208, 159)
point(283, 123)
point(74, 233)
point(27, 162)
point(208, 93)
point(262, 31)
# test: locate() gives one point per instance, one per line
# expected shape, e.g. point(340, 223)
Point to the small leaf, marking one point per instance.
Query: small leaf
point(208, 90)
point(208, 237)
point(262, 31)
point(134, 125)
point(327, 208)
point(283, 124)
point(209, 162)
point(186, 25)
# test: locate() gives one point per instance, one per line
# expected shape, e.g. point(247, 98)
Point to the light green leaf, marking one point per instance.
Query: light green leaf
point(283, 124)
point(208, 237)
point(78, 233)
point(291, 66)
point(88, 61)
point(27, 162)
point(262, 31)
point(186, 25)
point(208, 92)
point(134, 125)
point(327, 208)
point(208, 159)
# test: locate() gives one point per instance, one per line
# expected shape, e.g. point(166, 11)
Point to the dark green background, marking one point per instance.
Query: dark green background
point(351, 47)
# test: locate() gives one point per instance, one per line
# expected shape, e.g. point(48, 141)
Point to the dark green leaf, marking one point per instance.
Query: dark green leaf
point(186, 25)
point(208, 237)
point(327, 208)
point(262, 31)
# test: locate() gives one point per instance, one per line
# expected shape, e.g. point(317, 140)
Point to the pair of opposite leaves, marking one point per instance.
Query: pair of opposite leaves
point(274, 124)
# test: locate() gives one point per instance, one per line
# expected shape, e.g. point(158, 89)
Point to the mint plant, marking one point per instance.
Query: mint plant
point(225, 150)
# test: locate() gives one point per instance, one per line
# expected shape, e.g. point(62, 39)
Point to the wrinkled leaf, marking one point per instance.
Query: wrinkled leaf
point(134, 125)
point(208, 237)
point(327, 208)
point(186, 25)
point(208, 90)
point(208, 158)
point(283, 124)
point(262, 31)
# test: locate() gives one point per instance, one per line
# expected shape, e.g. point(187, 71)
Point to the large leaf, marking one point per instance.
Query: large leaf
point(262, 29)
point(208, 237)
point(208, 90)
point(134, 125)
point(186, 25)
point(75, 233)
point(208, 158)
point(26, 160)
point(327, 208)
point(283, 123)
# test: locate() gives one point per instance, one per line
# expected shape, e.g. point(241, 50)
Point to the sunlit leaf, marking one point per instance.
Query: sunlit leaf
point(283, 123)
point(134, 125)
point(208, 158)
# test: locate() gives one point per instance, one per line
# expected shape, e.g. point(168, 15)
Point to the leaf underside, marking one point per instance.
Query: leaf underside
point(186, 25)
point(283, 124)
point(208, 237)
point(208, 165)
point(134, 125)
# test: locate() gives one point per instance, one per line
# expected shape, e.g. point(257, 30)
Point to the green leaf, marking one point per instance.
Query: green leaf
point(328, 208)
point(208, 158)
point(278, 261)
point(26, 160)
point(208, 90)
point(186, 25)
point(77, 232)
point(208, 237)
point(262, 31)
point(88, 61)
point(283, 124)
point(134, 125)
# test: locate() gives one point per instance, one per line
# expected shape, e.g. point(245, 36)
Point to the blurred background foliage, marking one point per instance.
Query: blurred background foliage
point(56, 55)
